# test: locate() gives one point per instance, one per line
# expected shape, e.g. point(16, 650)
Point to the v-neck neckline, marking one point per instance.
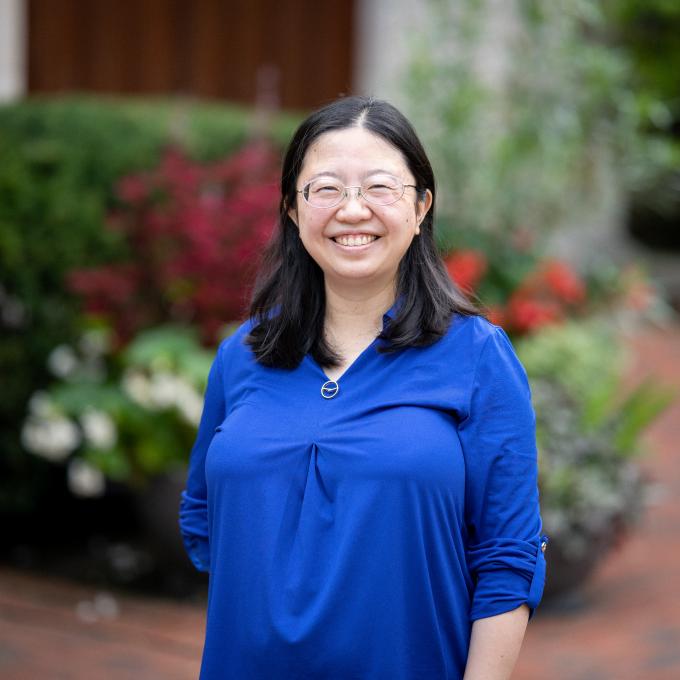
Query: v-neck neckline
point(358, 358)
point(387, 316)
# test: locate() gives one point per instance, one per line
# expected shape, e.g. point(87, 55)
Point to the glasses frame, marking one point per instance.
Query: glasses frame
point(345, 194)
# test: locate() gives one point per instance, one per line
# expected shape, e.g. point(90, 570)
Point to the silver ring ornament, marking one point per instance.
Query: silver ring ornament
point(329, 389)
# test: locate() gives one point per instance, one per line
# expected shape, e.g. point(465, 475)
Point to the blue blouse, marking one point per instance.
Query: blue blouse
point(359, 536)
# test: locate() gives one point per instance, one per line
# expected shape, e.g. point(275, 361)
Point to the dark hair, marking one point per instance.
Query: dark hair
point(288, 303)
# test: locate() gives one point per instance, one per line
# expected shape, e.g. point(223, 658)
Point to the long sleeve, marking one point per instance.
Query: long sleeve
point(502, 515)
point(193, 514)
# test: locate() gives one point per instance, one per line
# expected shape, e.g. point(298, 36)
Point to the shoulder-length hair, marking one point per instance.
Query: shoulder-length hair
point(288, 302)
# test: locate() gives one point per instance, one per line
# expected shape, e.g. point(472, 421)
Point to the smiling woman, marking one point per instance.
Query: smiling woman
point(363, 487)
point(358, 238)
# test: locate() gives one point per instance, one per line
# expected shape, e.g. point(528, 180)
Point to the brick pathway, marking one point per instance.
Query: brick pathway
point(60, 631)
point(624, 626)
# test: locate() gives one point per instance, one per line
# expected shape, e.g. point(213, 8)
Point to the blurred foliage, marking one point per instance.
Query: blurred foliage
point(589, 429)
point(546, 292)
point(194, 232)
point(522, 291)
point(649, 32)
point(521, 144)
point(61, 159)
point(126, 415)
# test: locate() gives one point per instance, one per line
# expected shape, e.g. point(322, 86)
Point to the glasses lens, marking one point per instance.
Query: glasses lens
point(382, 189)
point(323, 193)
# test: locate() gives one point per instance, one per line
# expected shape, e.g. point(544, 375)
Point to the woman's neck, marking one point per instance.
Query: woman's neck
point(356, 315)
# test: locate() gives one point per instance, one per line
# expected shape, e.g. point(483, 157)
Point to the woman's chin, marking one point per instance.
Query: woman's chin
point(361, 274)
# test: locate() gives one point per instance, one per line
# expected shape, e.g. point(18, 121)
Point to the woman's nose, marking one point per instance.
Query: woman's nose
point(353, 203)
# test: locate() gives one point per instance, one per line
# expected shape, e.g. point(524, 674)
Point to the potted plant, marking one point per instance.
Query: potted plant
point(589, 437)
point(125, 417)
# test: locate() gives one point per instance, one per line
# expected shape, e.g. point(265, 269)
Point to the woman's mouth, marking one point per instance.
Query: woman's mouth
point(355, 240)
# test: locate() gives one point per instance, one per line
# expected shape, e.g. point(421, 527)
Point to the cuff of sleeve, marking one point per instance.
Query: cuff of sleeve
point(538, 579)
point(194, 531)
point(198, 552)
point(502, 587)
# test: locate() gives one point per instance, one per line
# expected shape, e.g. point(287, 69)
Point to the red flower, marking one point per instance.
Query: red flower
point(466, 268)
point(133, 189)
point(563, 282)
point(192, 247)
point(525, 314)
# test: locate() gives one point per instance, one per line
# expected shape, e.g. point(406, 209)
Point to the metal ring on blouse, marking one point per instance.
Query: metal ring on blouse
point(329, 389)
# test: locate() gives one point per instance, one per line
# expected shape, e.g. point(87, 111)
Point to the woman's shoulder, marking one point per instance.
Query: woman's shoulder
point(235, 343)
point(472, 328)
point(472, 336)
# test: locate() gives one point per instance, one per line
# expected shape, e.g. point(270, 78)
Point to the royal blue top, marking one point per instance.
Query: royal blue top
point(359, 536)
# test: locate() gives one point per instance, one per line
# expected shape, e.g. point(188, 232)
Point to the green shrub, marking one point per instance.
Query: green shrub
point(589, 430)
point(61, 158)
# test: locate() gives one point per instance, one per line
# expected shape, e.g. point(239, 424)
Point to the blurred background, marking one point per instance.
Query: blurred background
point(140, 144)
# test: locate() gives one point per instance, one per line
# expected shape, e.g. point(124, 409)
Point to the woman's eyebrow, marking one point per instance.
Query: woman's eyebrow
point(335, 175)
point(325, 174)
point(380, 171)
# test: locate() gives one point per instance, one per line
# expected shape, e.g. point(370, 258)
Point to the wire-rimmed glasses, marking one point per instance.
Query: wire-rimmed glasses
point(327, 192)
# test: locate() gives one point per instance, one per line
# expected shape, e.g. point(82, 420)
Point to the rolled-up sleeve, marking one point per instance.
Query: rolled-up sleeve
point(193, 512)
point(505, 544)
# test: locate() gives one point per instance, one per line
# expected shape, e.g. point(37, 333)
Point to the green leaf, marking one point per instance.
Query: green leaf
point(642, 406)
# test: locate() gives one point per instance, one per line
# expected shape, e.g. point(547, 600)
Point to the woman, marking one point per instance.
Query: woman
point(362, 488)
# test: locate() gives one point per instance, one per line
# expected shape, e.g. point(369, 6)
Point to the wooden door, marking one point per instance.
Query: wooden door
point(294, 53)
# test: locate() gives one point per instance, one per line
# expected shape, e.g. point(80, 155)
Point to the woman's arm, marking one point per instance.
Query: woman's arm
point(504, 547)
point(495, 645)
point(193, 511)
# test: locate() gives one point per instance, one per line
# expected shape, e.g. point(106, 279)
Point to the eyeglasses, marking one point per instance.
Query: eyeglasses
point(327, 192)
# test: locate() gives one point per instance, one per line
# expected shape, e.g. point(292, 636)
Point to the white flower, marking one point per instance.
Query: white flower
point(98, 428)
point(136, 385)
point(62, 361)
point(163, 390)
point(94, 343)
point(189, 403)
point(52, 438)
point(41, 405)
point(84, 480)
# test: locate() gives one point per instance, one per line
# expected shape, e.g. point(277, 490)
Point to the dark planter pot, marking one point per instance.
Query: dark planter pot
point(158, 508)
point(566, 574)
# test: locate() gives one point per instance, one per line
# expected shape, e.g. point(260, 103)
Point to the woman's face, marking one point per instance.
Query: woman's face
point(357, 242)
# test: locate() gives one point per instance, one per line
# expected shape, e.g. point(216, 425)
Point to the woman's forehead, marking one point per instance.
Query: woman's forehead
point(353, 149)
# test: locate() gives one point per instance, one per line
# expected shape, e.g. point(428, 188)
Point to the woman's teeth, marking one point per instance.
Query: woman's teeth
point(359, 240)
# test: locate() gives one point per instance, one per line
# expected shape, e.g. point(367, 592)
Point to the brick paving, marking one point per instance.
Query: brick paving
point(56, 630)
point(625, 625)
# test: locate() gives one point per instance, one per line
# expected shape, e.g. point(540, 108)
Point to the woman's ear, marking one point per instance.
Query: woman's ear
point(423, 205)
point(292, 213)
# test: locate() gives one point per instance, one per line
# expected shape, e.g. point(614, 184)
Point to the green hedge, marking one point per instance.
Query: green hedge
point(59, 161)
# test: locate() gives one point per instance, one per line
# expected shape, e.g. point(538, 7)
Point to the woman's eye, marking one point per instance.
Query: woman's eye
point(325, 188)
point(379, 189)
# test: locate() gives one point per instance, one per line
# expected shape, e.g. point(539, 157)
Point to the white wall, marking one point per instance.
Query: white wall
point(12, 49)
point(382, 30)
point(384, 34)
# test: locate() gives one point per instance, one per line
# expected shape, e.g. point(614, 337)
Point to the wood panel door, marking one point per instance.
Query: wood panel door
point(294, 53)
